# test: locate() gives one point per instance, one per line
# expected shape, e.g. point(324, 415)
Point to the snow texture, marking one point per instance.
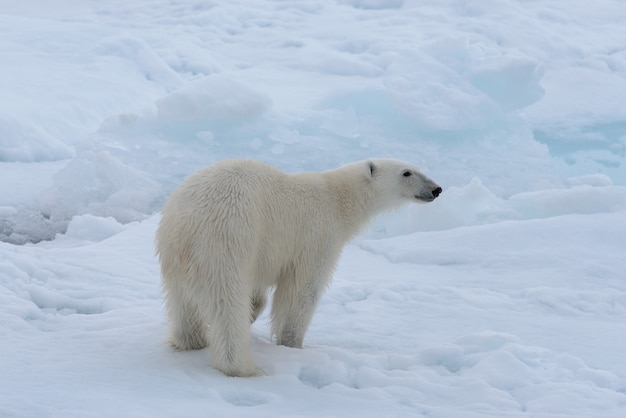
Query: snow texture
point(504, 297)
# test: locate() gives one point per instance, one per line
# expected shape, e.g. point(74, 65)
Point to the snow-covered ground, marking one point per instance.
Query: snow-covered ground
point(504, 297)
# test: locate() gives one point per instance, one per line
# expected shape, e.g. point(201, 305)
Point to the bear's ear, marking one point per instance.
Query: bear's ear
point(370, 169)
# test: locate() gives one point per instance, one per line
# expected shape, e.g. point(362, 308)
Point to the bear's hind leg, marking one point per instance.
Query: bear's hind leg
point(229, 326)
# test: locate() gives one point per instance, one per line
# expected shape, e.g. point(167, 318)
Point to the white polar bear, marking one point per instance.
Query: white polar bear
point(237, 228)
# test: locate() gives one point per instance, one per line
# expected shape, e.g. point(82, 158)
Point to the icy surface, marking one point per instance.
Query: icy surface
point(504, 297)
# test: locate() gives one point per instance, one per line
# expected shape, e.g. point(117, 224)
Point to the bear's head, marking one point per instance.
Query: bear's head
point(398, 182)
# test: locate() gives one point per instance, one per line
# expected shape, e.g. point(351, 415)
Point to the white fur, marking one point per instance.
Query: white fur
point(234, 230)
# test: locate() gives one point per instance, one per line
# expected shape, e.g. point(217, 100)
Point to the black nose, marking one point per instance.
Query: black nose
point(437, 191)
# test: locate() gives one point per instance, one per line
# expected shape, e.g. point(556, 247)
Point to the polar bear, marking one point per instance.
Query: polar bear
point(234, 230)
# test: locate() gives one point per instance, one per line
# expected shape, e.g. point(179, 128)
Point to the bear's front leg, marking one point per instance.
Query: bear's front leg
point(295, 300)
point(259, 300)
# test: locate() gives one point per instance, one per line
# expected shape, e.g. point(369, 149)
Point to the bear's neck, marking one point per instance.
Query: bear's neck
point(355, 201)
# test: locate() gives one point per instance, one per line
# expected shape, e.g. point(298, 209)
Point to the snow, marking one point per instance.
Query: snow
point(504, 297)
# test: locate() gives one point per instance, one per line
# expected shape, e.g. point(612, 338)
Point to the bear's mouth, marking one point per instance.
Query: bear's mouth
point(429, 197)
point(422, 198)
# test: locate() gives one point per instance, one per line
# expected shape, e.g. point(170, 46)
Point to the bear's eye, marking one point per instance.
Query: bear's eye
point(407, 174)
